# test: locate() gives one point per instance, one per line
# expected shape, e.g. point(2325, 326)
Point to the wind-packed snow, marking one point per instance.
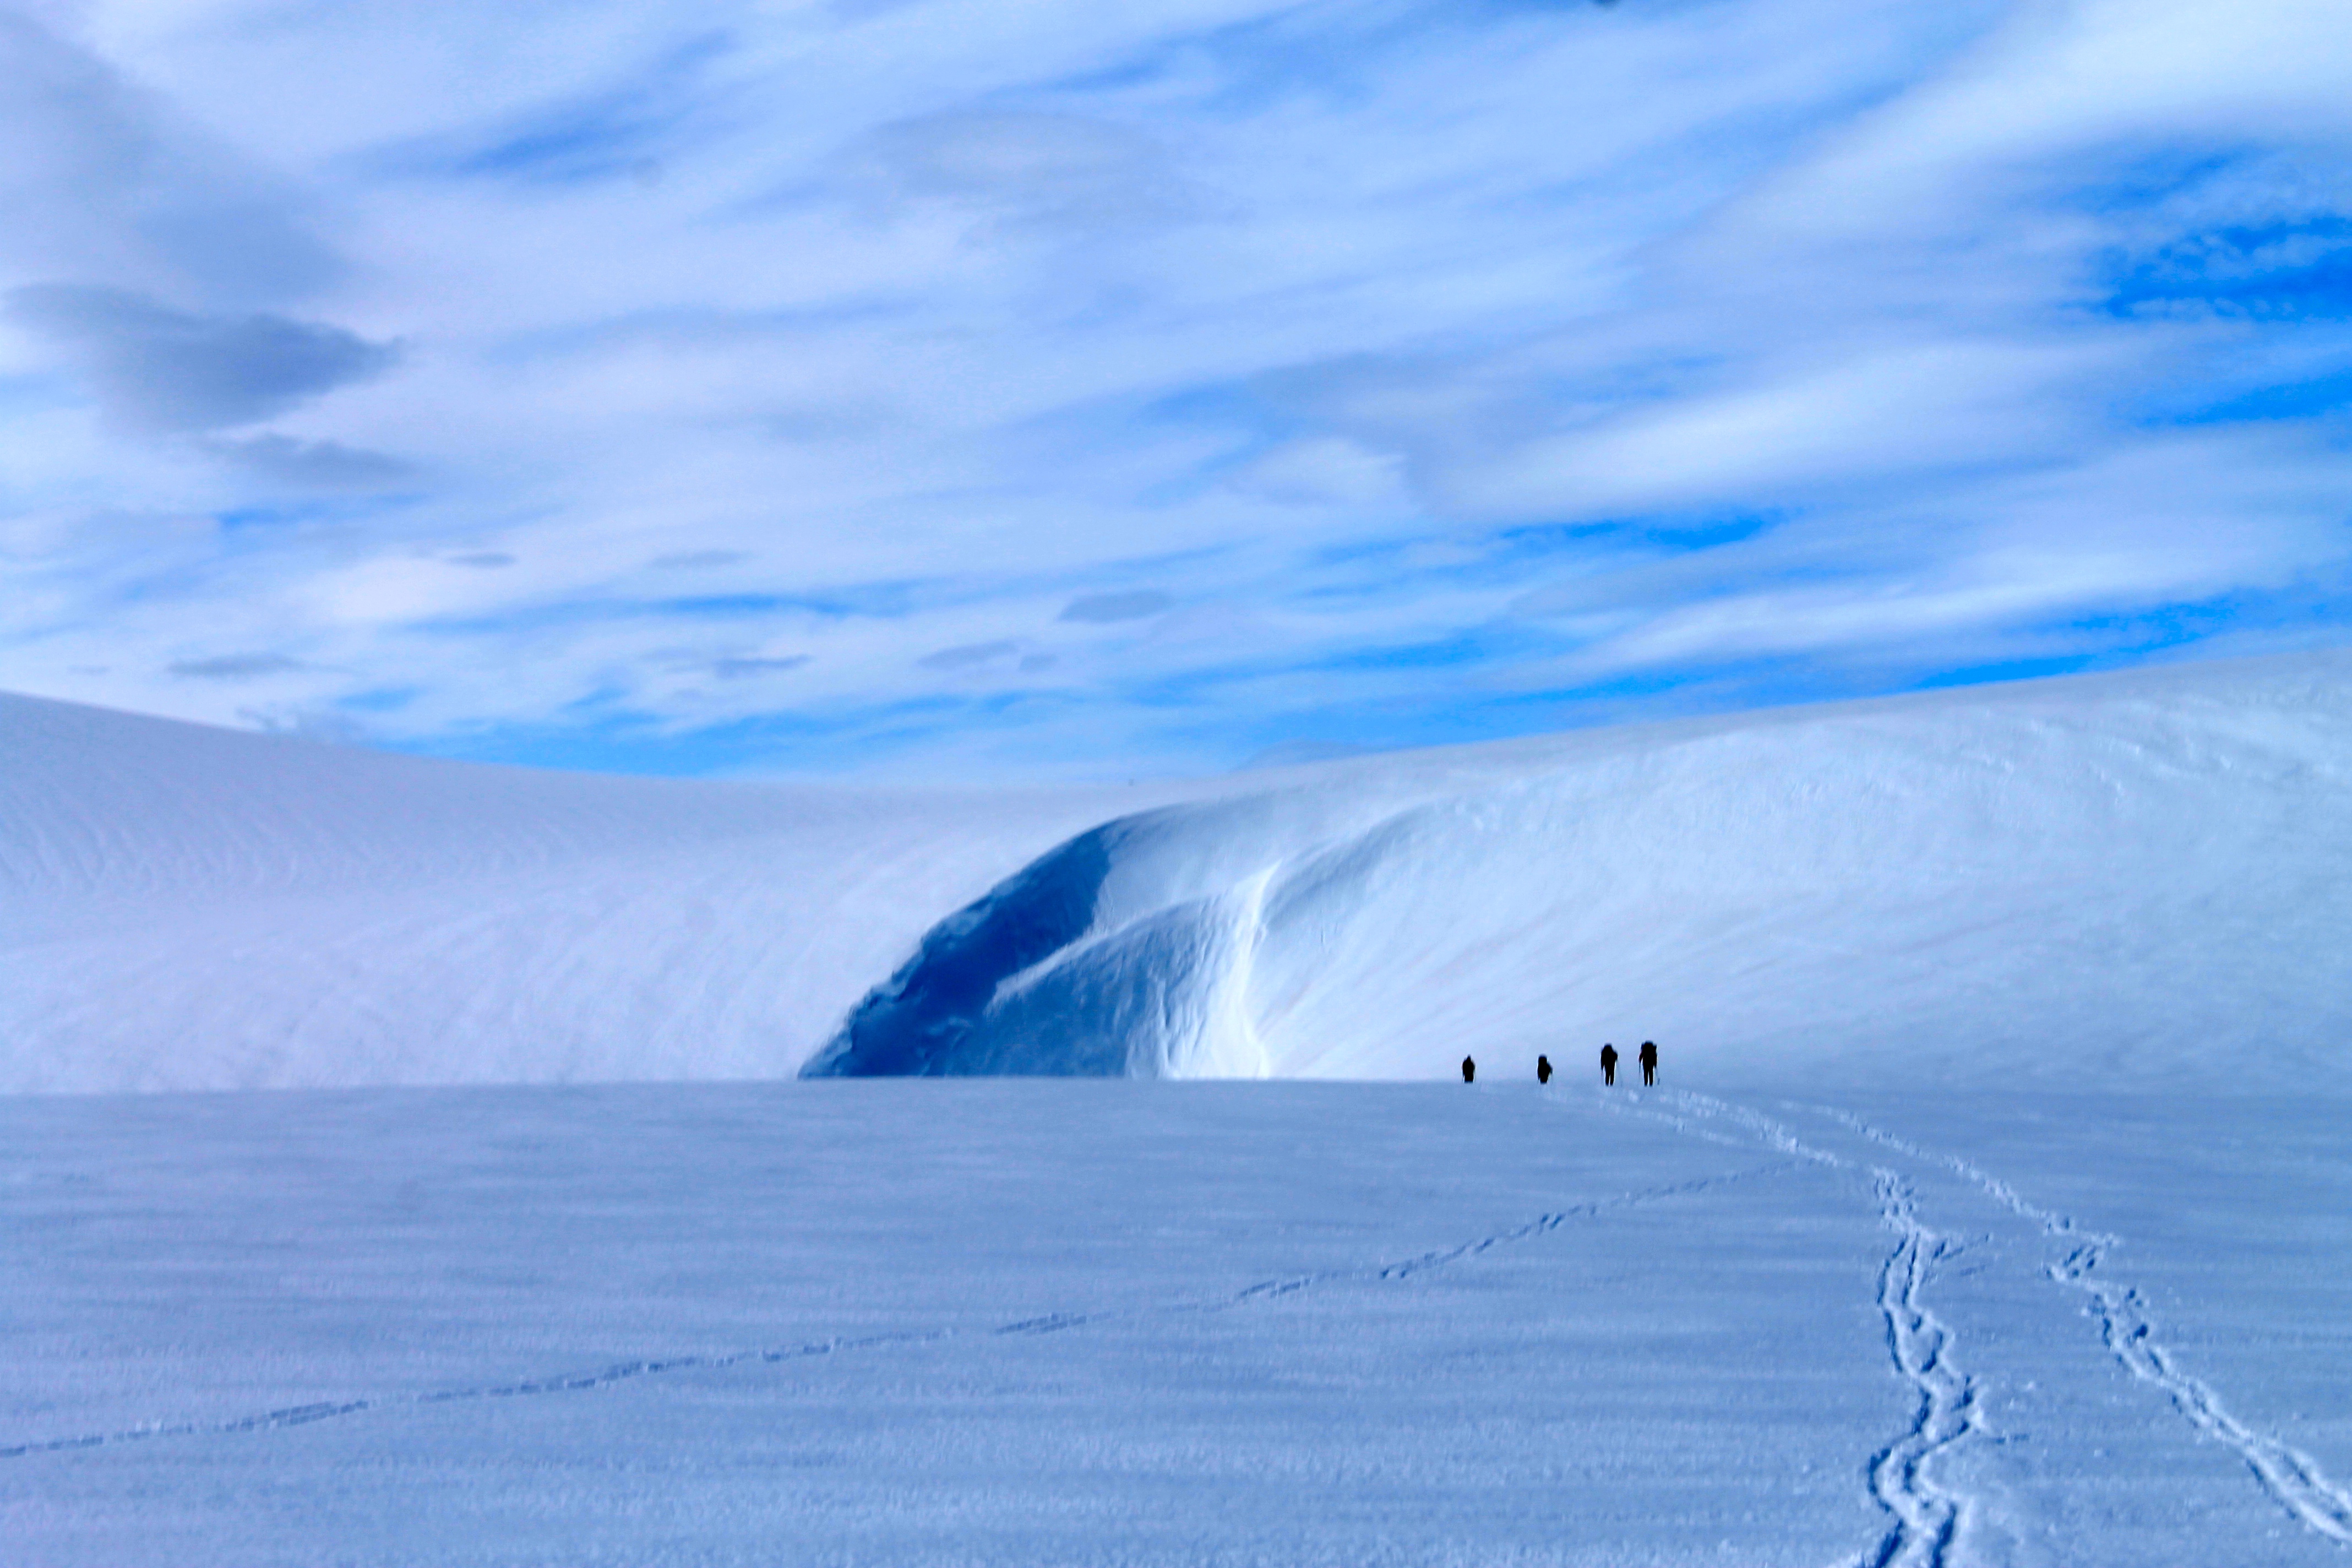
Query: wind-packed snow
point(2128, 874)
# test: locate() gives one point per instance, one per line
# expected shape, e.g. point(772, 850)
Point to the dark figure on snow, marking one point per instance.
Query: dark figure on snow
point(1609, 1063)
point(1543, 1069)
point(1469, 1070)
point(1649, 1062)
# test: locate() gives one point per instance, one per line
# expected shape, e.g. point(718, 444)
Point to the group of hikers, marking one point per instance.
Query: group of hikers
point(1649, 1059)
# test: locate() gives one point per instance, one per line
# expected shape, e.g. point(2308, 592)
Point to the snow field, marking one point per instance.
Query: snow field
point(1996, 1208)
point(1017, 1322)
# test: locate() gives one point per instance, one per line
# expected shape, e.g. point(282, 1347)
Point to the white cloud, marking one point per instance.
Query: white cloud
point(1890, 410)
point(749, 335)
point(1326, 471)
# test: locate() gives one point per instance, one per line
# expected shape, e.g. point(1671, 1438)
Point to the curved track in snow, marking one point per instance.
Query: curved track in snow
point(1928, 1514)
point(2293, 1479)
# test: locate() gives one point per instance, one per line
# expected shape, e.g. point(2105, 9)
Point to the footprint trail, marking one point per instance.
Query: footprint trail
point(1045, 1323)
point(1927, 1515)
point(2293, 1479)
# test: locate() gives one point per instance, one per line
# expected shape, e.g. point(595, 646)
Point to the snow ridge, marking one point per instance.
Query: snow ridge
point(923, 1020)
point(184, 907)
point(2145, 865)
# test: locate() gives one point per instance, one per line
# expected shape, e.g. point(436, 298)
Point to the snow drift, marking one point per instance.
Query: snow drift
point(2142, 869)
point(2123, 873)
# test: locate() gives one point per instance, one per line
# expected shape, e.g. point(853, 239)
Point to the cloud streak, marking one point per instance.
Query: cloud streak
point(107, 180)
point(235, 666)
point(166, 372)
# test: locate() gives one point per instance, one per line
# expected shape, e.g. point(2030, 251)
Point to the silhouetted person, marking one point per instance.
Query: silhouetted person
point(1543, 1069)
point(1609, 1063)
point(1649, 1062)
point(1469, 1070)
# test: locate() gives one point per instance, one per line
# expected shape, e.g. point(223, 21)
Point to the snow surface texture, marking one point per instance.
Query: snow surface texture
point(2129, 874)
point(183, 907)
point(1043, 1323)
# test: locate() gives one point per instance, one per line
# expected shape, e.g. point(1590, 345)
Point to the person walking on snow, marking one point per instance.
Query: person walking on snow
point(1649, 1062)
point(1469, 1070)
point(1543, 1069)
point(1608, 1064)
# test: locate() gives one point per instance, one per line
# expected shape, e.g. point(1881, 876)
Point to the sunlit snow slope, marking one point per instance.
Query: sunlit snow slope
point(2121, 874)
point(2113, 873)
point(191, 908)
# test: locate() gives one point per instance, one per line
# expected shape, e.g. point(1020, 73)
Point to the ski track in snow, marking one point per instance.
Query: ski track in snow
point(2292, 1478)
point(1927, 1514)
point(1048, 1323)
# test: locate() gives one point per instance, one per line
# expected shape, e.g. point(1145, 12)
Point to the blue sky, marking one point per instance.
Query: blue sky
point(1042, 389)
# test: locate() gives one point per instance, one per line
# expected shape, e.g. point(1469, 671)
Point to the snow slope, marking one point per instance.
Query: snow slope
point(2121, 873)
point(183, 907)
point(2125, 874)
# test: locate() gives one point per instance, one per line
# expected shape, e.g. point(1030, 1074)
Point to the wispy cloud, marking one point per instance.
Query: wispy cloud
point(165, 371)
point(1134, 605)
point(972, 655)
point(1053, 388)
point(108, 181)
point(312, 465)
point(235, 666)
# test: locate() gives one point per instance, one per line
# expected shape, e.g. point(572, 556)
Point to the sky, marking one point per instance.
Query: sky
point(1032, 390)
